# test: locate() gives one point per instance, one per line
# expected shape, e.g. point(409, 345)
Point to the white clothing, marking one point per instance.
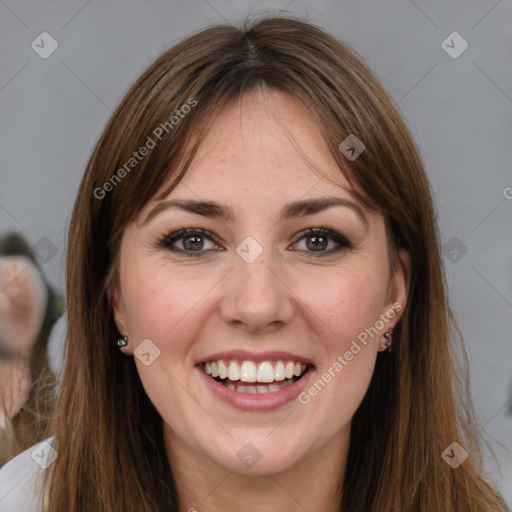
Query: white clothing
point(21, 479)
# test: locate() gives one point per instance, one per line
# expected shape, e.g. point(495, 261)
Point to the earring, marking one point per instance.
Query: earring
point(122, 342)
point(389, 339)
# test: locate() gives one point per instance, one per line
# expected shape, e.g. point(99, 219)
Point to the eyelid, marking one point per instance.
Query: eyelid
point(183, 233)
point(341, 240)
point(327, 232)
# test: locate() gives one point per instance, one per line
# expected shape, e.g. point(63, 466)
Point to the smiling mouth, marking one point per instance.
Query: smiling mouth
point(255, 377)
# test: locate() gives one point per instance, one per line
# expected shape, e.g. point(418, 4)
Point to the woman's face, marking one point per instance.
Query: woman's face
point(257, 294)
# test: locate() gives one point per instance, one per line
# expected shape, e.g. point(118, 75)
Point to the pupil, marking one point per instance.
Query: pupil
point(197, 243)
point(318, 245)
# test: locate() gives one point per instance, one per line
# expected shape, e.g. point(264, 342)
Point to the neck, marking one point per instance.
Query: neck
point(312, 483)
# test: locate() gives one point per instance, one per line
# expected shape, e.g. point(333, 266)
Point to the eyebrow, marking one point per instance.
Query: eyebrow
point(294, 210)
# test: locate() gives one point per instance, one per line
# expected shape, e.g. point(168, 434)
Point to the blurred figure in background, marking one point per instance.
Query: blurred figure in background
point(29, 308)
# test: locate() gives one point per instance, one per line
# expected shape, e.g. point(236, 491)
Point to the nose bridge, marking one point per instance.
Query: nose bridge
point(256, 296)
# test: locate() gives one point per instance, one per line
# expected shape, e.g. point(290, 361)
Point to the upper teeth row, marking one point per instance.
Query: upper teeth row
point(250, 371)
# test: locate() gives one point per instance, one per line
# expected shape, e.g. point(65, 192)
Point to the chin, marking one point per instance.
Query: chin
point(255, 456)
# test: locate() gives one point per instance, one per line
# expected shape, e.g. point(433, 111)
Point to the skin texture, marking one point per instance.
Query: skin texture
point(256, 159)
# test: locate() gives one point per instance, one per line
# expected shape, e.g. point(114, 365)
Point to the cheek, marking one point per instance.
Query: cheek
point(160, 301)
point(348, 305)
point(159, 307)
point(347, 302)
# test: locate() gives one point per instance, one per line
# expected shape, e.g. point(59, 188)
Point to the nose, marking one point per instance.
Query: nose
point(256, 296)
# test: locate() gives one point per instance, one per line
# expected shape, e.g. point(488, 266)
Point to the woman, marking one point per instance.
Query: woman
point(29, 308)
point(256, 306)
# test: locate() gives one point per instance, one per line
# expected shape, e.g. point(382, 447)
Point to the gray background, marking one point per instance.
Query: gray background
point(459, 110)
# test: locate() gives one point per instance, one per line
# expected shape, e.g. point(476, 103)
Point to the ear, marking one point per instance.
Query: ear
point(119, 315)
point(398, 291)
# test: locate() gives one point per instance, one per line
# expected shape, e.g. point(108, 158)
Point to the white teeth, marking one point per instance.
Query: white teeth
point(289, 369)
point(223, 369)
point(265, 372)
point(257, 389)
point(250, 371)
point(233, 371)
point(279, 373)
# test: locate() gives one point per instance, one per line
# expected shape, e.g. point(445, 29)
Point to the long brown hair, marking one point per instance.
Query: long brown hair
point(108, 435)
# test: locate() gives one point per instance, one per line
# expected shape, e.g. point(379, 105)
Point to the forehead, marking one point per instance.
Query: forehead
point(265, 136)
point(264, 148)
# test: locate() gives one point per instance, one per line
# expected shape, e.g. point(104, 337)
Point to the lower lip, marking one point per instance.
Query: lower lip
point(257, 402)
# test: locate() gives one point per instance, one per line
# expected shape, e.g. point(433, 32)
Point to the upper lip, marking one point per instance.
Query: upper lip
point(245, 355)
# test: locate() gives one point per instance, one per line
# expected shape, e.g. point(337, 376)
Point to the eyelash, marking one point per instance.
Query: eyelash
point(166, 241)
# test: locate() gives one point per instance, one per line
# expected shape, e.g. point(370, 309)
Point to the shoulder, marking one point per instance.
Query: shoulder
point(21, 479)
